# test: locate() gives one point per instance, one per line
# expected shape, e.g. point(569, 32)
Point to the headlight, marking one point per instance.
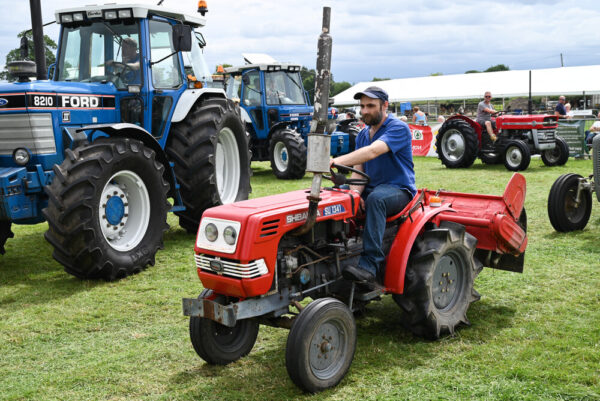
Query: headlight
point(78, 17)
point(211, 232)
point(66, 18)
point(21, 156)
point(229, 234)
point(110, 14)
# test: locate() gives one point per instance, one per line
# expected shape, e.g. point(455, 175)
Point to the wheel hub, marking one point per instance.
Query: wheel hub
point(325, 352)
point(116, 210)
point(453, 145)
point(280, 155)
point(514, 156)
point(446, 280)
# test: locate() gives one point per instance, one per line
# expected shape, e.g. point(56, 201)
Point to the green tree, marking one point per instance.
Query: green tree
point(338, 87)
point(15, 54)
point(498, 67)
point(375, 79)
point(308, 79)
point(472, 72)
point(436, 74)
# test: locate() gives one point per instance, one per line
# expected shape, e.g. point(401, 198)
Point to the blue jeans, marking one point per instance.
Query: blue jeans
point(383, 201)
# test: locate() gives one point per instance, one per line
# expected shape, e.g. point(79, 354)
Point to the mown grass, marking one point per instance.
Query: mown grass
point(534, 335)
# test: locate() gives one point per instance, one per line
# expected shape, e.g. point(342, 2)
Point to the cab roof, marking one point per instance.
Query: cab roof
point(276, 66)
point(139, 11)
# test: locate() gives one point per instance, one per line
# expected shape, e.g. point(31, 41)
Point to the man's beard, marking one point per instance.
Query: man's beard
point(374, 119)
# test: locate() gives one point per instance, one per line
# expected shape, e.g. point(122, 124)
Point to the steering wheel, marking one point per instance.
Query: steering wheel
point(340, 178)
point(119, 68)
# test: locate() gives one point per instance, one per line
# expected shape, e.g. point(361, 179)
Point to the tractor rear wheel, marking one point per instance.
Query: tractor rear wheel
point(557, 156)
point(5, 234)
point(438, 287)
point(212, 159)
point(107, 209)
point(564, 212)
point(516, 155)
point(218, 344)
point(287, 153)
point(456, 144)
point(321, 345)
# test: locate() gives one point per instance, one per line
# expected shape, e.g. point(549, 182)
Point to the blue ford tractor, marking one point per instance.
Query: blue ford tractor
point(127, 121)
point(277, 114)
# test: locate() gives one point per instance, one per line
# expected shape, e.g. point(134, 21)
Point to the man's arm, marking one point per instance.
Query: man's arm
point(363, 154)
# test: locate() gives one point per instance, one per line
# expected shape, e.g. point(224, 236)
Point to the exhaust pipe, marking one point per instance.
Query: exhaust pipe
point(38, 38)
point(319, 142)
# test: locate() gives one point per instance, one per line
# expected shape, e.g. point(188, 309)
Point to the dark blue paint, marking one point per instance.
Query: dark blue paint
point(115, 210)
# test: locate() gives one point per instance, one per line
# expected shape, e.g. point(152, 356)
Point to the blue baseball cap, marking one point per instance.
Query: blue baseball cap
point(374, 92)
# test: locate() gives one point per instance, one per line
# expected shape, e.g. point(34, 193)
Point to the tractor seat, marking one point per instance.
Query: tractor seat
point(403, 214)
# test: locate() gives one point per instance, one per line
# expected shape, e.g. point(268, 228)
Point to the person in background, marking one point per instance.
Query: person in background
point(419, 117)
point(403, 118)
point(570, 114)
point(485, 109)
point(384, 152)
point(560, 110)
point(592, 132)
point(441, 119)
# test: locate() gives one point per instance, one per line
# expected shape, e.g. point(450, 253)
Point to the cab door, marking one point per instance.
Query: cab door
point(166, 82)
point(252, 101)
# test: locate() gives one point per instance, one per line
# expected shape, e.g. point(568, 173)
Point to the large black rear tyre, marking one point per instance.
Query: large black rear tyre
point(287, 153)
point(564, 212)
point(5, 234)
point(517, 155)
point(557, 156)
point(212, 159)
point(456, 144)
point(107, 209)
point(321, 345)
point(438, 288)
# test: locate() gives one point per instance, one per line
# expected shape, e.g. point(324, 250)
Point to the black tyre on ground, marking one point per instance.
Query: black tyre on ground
point(107, 209)
point(287, 153)
point(351, 128)
point(5, 234)
point(456, 144)
point(565, 213)
point(212, 159)
point(438, 288)
point(557, 156)
point(321, 345)
point(218, 344)
point(516, 155)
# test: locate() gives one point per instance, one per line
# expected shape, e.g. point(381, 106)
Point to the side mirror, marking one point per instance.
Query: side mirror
point(182, 38)
point(24, 48)
point(245, 80)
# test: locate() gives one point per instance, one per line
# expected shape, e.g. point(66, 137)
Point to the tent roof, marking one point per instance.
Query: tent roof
point(550, 81)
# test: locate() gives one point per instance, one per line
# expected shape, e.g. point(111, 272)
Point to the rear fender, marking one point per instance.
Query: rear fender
point(472, 123)
point(514, 195)
point(190, 97)
point(399, 253)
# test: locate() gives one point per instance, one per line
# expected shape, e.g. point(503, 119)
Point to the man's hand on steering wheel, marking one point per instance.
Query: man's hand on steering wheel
point(340, 178)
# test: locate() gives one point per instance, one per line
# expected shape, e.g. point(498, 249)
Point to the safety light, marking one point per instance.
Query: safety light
point(202, 7)
point(110, 14)
point(125, 14)
point(211, 232)
point(21, 156)
point(78, 17)
point(66, 18)
point(229, 234)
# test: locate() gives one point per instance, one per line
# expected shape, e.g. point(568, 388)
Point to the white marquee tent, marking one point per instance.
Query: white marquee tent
point(502, 84)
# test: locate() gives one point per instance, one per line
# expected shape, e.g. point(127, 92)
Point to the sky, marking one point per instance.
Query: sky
point(384, 39)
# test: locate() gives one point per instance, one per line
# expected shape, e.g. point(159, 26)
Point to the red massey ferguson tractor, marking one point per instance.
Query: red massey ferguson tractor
point(460, 140)
point(259, 259)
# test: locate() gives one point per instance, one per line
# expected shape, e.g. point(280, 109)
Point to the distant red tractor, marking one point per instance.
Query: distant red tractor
point(460, 140)
point(258, 259)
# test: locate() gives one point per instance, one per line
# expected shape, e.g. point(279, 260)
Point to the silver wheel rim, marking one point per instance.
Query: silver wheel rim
point(281, 156)
point(124, 210)
point(514, 156)
point(328, 348)
point(453, 145)
point(448, 279)
point(552, 155)
point(227, 163)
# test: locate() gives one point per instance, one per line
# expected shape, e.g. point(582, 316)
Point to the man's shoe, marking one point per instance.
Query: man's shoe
point(354, 273)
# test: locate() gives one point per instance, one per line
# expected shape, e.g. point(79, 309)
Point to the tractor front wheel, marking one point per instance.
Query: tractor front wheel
point(438, 288)
point(557, 156)
point(456, 144)
point(5, 234)
point(107, 209)
point(321, 345)
point(565, 212)
point(516, 155)
point(287, 153)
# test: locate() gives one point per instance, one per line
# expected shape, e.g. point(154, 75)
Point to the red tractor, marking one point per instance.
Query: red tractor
point(460, 140)
point(259, 259)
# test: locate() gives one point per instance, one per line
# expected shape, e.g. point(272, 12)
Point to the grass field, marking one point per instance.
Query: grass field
point(534, 336)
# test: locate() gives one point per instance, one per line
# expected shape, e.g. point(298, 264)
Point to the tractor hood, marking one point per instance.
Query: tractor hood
point(59, 87)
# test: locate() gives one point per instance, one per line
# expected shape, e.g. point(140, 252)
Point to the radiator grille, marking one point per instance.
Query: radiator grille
point(33, 131)
point(229, 268)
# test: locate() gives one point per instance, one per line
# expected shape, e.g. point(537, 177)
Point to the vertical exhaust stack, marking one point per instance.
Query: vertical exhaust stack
point(38, 38)
point(319, 142)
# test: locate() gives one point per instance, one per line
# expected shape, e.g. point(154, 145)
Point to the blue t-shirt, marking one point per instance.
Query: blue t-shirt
point(396, 166)
point(561, 109)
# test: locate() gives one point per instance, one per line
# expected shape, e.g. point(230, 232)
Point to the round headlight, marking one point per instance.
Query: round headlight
point(211, 232)
point(21, 156)
point(229, 234)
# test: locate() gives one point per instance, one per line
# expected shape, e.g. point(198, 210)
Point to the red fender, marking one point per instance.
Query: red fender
point(399, 253)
